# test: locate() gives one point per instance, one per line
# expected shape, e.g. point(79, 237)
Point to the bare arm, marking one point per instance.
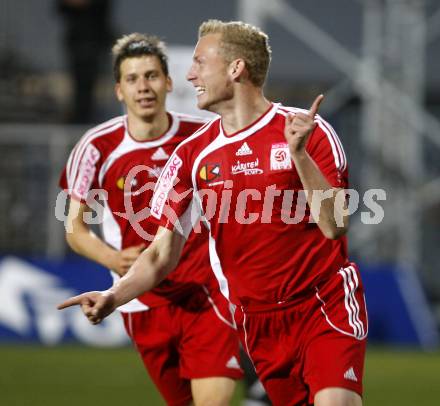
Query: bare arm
point(151, 267)
point(85, 242)
point(327, 204)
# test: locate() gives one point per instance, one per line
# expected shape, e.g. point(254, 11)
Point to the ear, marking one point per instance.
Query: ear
point(237, 68)
point(118, 92)
point(169, 84)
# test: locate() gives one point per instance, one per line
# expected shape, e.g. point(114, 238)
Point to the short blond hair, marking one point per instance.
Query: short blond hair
point(245, 41)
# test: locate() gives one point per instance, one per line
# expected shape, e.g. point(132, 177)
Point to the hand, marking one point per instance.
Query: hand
point(123, 260)
point(299, 126)
point(95, 305)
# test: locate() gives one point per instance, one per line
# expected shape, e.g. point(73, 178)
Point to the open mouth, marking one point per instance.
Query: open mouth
point(147, 102)
point(200, 90)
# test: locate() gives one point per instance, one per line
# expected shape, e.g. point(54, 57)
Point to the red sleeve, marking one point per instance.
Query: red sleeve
point(326, 150)
point(81, 172)
point(173, 203)
point(62, 183)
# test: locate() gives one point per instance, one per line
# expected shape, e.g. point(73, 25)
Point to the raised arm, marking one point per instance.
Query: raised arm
point(327, 204)
point(151, 267)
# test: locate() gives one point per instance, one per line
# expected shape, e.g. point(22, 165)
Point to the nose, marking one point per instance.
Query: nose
point(143, 85)
point(190, 76)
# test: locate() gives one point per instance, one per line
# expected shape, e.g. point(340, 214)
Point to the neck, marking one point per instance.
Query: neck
point(143, 129)
point(243, 109)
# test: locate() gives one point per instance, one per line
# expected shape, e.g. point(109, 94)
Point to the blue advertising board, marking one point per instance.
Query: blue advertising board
point(30, 289)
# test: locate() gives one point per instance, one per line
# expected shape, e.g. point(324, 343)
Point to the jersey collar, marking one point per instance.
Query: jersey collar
point(253, 127)
point(162, 139)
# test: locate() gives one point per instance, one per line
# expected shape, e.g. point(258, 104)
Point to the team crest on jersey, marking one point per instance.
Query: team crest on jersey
point(209, 172)
point(280, 157)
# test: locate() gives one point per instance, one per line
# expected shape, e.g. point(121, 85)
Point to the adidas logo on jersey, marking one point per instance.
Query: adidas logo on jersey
point(244, 150)
point(350, 375)
point(233, 363)
point(159, 155)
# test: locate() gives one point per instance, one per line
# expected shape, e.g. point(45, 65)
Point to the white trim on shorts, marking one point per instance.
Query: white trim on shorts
point(217, 311)
point(350, 284)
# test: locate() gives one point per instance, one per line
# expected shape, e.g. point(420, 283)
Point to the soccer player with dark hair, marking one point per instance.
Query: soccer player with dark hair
point(299, 301)
point(183, 329)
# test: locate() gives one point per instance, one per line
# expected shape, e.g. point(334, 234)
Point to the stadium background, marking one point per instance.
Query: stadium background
point(377, 61)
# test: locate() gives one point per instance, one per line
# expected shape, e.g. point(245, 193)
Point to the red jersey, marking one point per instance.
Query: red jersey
point(263, 250)
point(125, 170)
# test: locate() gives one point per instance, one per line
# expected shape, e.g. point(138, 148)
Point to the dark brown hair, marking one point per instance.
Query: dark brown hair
point(135, 45)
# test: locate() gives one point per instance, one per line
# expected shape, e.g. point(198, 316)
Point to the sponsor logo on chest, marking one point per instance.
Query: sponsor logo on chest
point(247, 168)
point(164, 186)
point(120, 183)
point(209, 172)
point(280, 157)
point(87, 170)
point(153, 172)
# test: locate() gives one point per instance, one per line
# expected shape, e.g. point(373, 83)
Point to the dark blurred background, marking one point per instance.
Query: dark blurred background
point(377, 62)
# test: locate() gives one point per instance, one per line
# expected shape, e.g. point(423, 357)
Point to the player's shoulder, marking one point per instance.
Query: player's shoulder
point(103, 130)
point(200, 137)
point(107, 126)
point(187, 124)
point(189, 118)
point(285, 110)
point(324, 140)
point(324, 126)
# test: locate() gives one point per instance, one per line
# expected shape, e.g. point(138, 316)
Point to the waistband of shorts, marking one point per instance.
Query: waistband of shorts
point(257, 307)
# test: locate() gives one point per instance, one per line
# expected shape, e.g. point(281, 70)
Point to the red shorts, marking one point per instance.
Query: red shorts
point(194, 338)
point(311, 344)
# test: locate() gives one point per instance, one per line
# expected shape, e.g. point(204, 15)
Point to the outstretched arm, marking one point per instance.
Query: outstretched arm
point(327, 204)
point(152, 266)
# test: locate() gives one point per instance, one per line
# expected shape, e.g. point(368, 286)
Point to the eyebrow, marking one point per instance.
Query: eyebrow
point(148, 72)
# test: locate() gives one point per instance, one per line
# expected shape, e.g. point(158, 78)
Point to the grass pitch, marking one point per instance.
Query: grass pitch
point(72, 376)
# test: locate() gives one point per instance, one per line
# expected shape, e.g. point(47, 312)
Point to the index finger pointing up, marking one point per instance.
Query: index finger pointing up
point(315, 105)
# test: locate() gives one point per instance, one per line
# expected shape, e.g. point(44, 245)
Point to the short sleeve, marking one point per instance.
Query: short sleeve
point(173, 204)
point(325, 148)
point(81, 172)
